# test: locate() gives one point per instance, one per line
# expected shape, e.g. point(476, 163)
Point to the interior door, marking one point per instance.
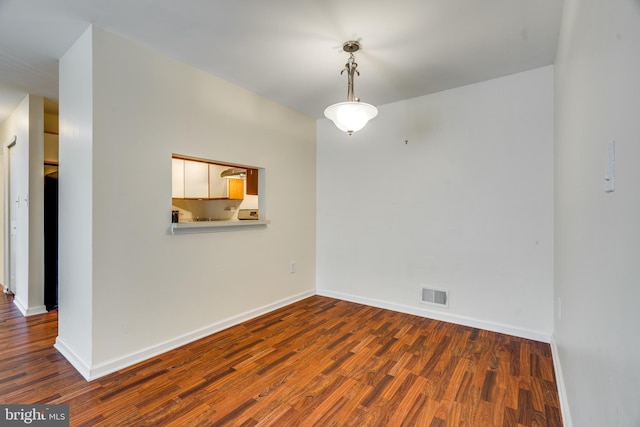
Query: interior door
point(14, 203)
point(10, 217)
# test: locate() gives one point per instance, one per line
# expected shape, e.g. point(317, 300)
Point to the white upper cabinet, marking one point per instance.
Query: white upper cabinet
point(193, 179)
point(177, 178)
point(218, 188)
point(196, 180)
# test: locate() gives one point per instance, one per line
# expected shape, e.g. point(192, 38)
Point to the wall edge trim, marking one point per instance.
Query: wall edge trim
point(444, 317)
point(19, 305)
point(28, 311)
point(562, 390)
point(72, 357)
point(101, 369)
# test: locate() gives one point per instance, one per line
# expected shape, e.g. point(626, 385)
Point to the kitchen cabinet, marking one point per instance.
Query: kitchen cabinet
point(236, 188)
point(193, 179)
point(177, 178)
point(218, 187)
point(196, 180)
point(252, 182)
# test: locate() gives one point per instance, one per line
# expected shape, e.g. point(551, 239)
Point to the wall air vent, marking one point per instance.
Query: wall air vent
point(439, 297)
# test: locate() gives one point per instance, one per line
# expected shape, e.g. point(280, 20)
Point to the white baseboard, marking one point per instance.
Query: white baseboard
point(41, 309)
point(19, 305)
point(29, 311)
point(101, 369)
point(445, 317)
point(73, 358)
point(562, 391)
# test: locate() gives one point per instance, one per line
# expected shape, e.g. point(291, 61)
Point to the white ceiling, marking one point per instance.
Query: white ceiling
point(291, 50)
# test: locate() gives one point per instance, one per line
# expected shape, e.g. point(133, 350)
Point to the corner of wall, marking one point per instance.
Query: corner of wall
point(562, 391)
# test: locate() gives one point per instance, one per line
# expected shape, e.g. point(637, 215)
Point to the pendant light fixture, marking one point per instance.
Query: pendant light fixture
point(353, 115)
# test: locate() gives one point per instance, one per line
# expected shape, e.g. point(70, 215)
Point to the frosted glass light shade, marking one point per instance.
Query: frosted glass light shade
point(350, 116)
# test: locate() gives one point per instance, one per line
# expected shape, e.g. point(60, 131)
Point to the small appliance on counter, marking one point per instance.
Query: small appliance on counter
point(247, 214)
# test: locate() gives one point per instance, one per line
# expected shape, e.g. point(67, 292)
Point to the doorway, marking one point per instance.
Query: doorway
point(51, 237)
point(50, 157)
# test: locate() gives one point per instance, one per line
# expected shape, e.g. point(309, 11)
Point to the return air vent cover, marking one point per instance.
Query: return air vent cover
point(439, 297)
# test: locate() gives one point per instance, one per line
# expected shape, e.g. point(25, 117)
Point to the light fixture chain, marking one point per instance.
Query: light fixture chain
point(351, 67)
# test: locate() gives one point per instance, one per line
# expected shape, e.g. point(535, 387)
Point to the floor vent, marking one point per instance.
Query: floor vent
point(438, 297)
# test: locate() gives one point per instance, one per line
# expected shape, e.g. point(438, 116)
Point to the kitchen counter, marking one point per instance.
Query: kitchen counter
point(208, 226)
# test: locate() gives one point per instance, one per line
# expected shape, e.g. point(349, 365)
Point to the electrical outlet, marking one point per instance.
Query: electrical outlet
point(292, 267)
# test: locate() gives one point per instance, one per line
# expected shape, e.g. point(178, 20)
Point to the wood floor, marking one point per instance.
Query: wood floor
point(318, 362)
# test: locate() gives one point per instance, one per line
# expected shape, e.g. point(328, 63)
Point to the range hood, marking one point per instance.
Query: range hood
point(234, 173)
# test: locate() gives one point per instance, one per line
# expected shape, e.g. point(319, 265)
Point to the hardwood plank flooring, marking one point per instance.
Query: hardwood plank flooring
point(317, 362)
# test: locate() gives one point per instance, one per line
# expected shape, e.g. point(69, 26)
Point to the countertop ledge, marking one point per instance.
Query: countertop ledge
point(204, 225)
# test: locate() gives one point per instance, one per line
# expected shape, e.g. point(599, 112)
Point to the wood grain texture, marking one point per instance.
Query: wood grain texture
point(317, 362)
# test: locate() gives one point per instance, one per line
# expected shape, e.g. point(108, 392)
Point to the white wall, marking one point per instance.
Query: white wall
point(75, 205)
point(26, 123)
point(150, 290)
point(597, 239)
point(464, 205)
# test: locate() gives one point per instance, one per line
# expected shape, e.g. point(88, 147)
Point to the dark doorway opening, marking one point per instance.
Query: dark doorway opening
point(51, 240)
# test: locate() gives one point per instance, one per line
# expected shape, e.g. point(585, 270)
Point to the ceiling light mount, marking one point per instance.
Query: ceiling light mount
point(351, 46)
point(352, 115)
